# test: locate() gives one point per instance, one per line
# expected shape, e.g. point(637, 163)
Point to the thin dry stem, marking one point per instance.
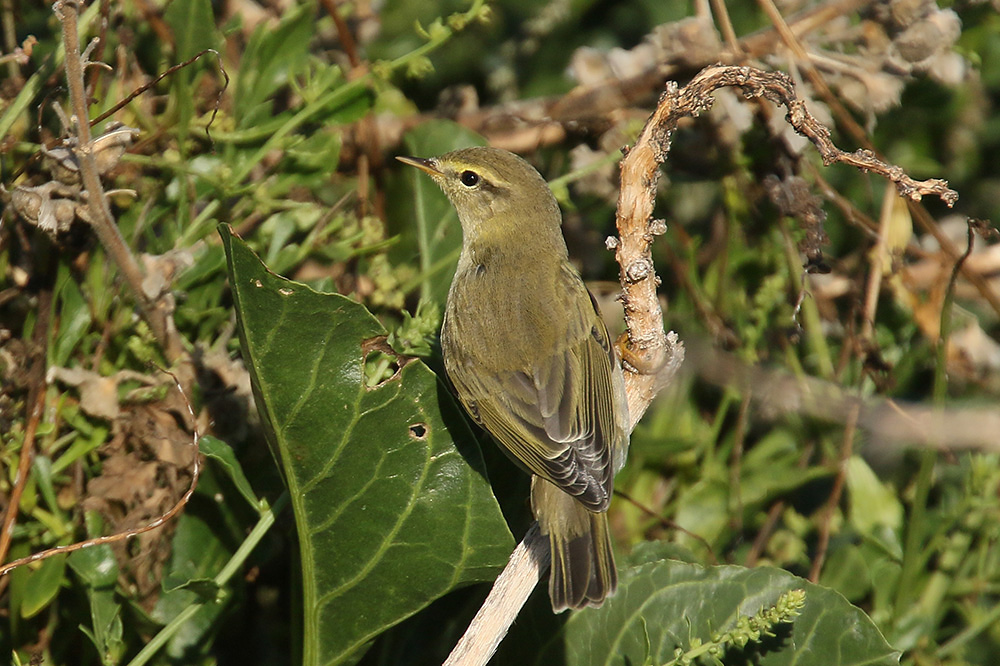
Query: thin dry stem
point(103, 222)
point(876, 269)
point(23, 469)
point(726, 28)
point(343, 33)
point(826, 526)
point(791, 40)
point(890, 426)
point(980, 282)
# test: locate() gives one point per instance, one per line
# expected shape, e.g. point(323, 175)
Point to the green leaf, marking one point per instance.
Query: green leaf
point(665, 605)
point(875, 512)
point(97, 568)
point(391, 513)
point(847, 572)
point(423, 216)
point(319, 150)
point(42, 473)
point(271, 54)
point(223, 454)
point(43, 585)
point(206, 588)
point(193, 27)
point(74, 318)
point(200, 550)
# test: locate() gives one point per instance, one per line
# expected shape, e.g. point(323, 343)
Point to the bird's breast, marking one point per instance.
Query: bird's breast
point(500, 319)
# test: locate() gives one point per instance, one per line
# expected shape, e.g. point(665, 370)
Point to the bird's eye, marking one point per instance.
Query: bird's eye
point(469, 178)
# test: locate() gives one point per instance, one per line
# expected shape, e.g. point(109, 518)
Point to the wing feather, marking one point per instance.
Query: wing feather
point(556, 418)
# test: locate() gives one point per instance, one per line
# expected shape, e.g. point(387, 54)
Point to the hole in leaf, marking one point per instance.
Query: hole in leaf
point(381, 363)
point(418, 431)
point(379, 368)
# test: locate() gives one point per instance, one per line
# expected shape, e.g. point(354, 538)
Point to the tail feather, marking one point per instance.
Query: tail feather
point(583, 564)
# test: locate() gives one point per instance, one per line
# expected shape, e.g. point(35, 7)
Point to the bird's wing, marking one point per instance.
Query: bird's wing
point(558, 418)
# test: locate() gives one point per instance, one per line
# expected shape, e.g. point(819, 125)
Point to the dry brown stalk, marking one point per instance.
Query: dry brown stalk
point(156, 312)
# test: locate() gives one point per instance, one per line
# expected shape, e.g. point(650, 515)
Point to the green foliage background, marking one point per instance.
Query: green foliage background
point(297, 161)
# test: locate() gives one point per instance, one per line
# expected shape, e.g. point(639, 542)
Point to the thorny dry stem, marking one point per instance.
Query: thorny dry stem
point(651, 357)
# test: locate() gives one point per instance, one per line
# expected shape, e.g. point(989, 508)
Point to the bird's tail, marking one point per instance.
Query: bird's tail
point(583, 565)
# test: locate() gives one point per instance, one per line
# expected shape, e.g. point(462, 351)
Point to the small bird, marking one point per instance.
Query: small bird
point(532, 362)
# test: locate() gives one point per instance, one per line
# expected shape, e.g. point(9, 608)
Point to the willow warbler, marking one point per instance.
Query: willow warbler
point(532, 362)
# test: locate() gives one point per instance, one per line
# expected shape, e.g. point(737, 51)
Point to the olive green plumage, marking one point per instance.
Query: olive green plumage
point(532, 362)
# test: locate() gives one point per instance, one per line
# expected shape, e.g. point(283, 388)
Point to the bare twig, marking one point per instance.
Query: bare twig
point(736, 465)
point(669, 524)
point(726, 27)
point(37, 384)
point(889, 425)
point(23, 468)
point(122, 103)
point(826, 525)
point(876, 270)
point(15, 55)
point(791, 40)
point(343, 33)
point(926, 222)
point(779, 89)
point(154, 312)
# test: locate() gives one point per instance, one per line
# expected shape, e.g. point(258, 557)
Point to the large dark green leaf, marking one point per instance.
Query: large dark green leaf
point(391, 513)
point(662, 604)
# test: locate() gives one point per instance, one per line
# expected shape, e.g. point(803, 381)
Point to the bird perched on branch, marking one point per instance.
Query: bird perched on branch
point(532, 362)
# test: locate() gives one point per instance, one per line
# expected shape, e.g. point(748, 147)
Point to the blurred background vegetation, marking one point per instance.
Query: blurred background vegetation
point(286, 132)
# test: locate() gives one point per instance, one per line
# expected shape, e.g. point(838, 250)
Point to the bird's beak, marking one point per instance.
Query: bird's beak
point(427, 166)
